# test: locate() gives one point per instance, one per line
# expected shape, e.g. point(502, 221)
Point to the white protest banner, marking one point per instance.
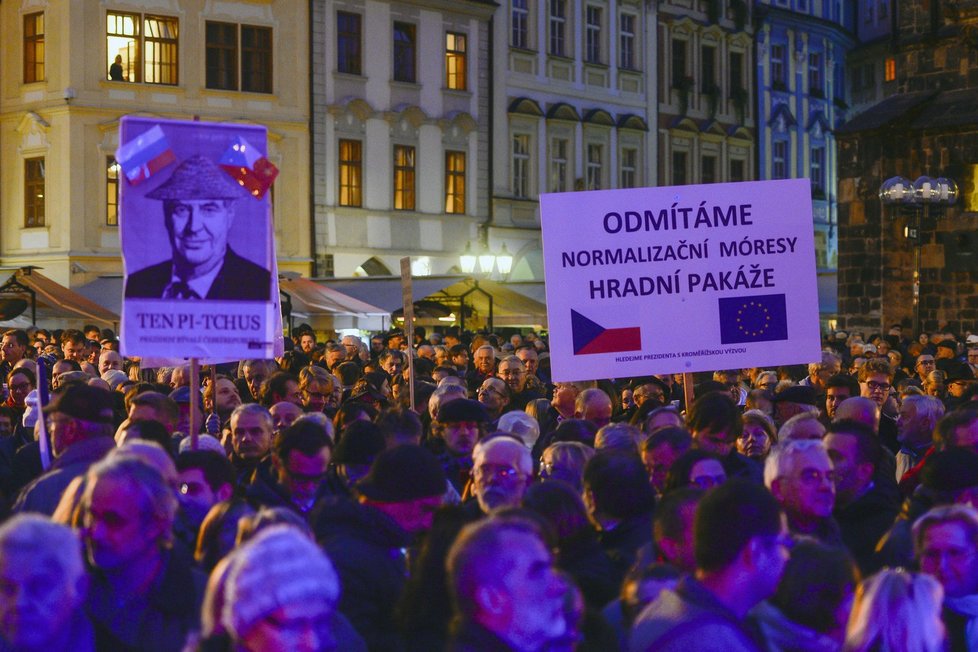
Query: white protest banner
point(680, 279)
point(201, 280)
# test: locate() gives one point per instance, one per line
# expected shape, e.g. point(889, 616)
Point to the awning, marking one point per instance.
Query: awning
point(55, 301)
point(509, 307)
point(325, 308)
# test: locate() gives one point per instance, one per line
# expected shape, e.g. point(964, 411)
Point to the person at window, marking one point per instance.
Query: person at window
point(115, 70)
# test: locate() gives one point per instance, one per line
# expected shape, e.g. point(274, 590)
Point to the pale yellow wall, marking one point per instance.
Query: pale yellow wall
point(82, 131)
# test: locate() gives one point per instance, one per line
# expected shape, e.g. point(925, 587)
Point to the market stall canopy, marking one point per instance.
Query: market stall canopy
point(53, 301)
point(510, 308)
point(327, 308)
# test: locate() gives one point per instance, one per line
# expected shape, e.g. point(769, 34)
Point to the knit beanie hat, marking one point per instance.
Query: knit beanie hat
point(281, 566)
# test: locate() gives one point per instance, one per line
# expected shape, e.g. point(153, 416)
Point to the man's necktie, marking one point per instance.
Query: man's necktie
point(179, 290)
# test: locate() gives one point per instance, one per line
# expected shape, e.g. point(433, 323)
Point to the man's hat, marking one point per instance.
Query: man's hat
point(803, 394)
point(462, 409)
point(948, 344)
point(198, 177)
point(951, 470)
point(83, 402)
point(959, 372)
point(972, 339)
point(402, 474)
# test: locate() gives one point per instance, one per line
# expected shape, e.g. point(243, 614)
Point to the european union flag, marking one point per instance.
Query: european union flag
point(762, 318)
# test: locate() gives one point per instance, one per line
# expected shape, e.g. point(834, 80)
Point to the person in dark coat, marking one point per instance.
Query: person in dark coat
point(367, 539)
point(198, 205)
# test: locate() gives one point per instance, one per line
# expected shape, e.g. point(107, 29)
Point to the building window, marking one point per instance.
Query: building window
point(592, 37)
point(708, 66)
point(147, 47)
point(679, 175)
point(595, 166)
point(626, 42)
point(455, 70)
point(521, 165)
point(629, 167)
point(520, 26)
point(736, 72)
point(351, 173)
point(34, 192)
point(558, 164)
point(454, 182)
point(403, 177)
point(111, 192)
point(34, 47)
point(737, 170)
point(708, 173)
point(779, 164)
point(777, 65)
point(222, 57)
point(405, 49)
point(889, 73)
point(678, 63)
point(884, 11)
point(558, 28)
point(815, 74)
point(348, 32)
point(818, 172)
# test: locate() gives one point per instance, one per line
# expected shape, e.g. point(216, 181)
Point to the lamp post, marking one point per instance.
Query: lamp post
point(503, 261)
point(924, 198)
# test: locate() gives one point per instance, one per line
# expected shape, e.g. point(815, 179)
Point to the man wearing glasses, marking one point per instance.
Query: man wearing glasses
point(800, 475)
point(876, 383)
point(494, 395)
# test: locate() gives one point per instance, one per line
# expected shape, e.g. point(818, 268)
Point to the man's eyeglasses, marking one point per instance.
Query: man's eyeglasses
point(878, 387)
point(504, 473)
point(814, 477)
point(490, 390)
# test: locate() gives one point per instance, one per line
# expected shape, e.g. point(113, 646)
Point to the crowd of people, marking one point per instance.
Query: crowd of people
point(446, 493)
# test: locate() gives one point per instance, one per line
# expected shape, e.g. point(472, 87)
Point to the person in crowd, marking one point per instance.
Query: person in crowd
point(757, 436)
point(205, 479)
point(809, 611)
point(154, 406)
point(284, 414)
point(224, 400)
point(672, 528)
point(506, 592)
point(799, 474)
point(715, 422)
point(838, 388)
point(896, 611)
point(864, 509)
point(43, 586)
point(876, 383)
point(565, 461)
point(946, 547)
point(252, 375)
point(562, 405)
point(916, 422)
point(593, 405)
point(251, 440)
point(13, 349)
point(741, 549)
point(128, 511)
point(511, 371)
point(502, 470)
point(661, 450)
point(792, 401)
point(494, 394)
point(458, 427)
point(296, 476)
point(367, 538)
point(698, 468)
point(805, 425)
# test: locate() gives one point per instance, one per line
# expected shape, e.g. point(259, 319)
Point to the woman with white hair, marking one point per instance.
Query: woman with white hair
point(896, 611)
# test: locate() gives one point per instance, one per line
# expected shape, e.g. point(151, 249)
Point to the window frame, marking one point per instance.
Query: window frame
point(816, 78)
point(593, 166)
point(455, 169)
point(817, 170)
point(349, 182)
point(33, 47)
point(712, 177)
point(682, 166)
point(257, 59)
point(708, 67)
point(628, 167)
point(593, 19)
point(456, 61)
point(349, 43)
point(778, 65)
point(557, 22)
point(779, 158)
point(35, 171)
point(229, 52)
point(519, 32)
point(678, 64)
point(627, 42)
point(520, 158)
point(112, 171)
point(161, 71)
point(405, 52)
point(405, 177)
point(559, 180)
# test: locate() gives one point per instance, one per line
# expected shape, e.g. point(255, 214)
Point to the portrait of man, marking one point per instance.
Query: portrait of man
point(199, 201)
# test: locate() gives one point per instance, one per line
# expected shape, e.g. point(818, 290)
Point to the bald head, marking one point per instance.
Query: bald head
point(861, 409)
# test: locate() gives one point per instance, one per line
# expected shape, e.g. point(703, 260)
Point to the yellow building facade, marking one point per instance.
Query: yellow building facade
point(72, 69)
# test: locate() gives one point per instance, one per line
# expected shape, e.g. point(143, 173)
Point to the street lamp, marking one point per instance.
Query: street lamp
point(924, 197)
point(503, 261)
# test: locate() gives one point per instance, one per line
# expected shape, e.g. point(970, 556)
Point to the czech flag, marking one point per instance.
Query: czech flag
point(249, 167)
point(145, 155)
point(591, 337)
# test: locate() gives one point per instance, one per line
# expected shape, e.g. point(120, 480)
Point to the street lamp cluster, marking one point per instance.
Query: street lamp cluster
point(486, 259)
point(924, 197)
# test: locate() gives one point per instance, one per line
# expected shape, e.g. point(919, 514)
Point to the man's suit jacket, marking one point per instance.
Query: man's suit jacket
point(238, 280)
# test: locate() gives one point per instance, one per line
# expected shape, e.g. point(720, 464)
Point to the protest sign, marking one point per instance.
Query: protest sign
point(201, 280)
point(680, 279)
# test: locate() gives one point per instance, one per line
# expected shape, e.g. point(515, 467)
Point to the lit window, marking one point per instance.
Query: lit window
point(34, 47)
point(454, 182)
point(558, 27)
point(34, 192)
point(890, 72)
point(558, 165)
point(629, 167)
point(521, 165)
point(111, 192)
point(348, 28)
point(404, 177)
point(405, 51)
point(520, 25)
point(595, 166)
point(592, 45)
point(455, 72)
point(351, 173)
point(146, 47)
point(626, 46)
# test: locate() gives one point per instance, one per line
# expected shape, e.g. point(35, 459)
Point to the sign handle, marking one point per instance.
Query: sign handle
point(194, 405)
point(407, 295)
point(688, 390)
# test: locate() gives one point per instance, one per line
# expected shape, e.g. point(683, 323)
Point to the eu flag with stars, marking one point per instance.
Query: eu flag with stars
point(761, 318)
